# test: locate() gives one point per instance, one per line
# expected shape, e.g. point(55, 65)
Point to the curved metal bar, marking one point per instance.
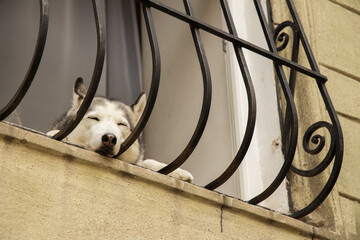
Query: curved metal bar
point(155, 82)
point(251, 104)
point(99, 63)
point(35, 62)
point(290, 150)
point(320, 141)
point(339, 152)
point(337, 132)
point(317, 139)
point(283, 37)
point(207, 91)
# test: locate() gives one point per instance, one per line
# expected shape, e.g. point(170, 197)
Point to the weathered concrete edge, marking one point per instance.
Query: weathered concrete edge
point(89, 157)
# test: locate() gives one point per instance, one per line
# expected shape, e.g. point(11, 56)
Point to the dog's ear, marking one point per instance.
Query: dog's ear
point(79, 93)
point(79, 89)
point(139, 105)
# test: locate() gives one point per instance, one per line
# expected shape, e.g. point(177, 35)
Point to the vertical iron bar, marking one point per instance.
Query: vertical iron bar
point(206, 98)
point(35, 62)
point(99, 63)
point(155, 82)
point(251, 104)
point(289, 153)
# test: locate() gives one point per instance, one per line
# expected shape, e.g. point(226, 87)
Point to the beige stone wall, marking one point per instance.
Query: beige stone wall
point(333, 27)
point(52, 190)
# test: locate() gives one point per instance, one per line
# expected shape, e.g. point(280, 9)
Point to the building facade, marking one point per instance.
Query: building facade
point(52, 190)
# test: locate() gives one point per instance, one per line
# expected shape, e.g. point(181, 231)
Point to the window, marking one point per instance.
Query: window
point(180, 108)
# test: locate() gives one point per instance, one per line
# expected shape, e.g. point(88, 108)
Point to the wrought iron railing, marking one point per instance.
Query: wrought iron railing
point(335, 151)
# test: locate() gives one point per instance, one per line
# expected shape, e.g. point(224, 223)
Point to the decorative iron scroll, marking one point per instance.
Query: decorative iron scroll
point(335, 151)
point(336, 148)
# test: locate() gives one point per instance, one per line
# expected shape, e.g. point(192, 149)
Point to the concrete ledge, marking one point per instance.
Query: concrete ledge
point(53, 190)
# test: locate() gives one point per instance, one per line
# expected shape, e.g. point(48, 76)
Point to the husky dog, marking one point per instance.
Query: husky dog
point(106, 125)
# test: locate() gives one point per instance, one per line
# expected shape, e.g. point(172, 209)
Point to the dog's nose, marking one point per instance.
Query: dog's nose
point(109, 140)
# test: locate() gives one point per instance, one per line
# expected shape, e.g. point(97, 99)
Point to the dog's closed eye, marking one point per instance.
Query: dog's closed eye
point(94, 118)
point(122, 124)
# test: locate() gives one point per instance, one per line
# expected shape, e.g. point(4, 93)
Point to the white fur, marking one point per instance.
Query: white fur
point(156, 166)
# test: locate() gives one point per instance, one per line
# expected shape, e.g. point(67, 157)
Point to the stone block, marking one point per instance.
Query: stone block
point(336, 30)
point(351, 216)
point(349, 175)
point(344, 92)
point(352, 5)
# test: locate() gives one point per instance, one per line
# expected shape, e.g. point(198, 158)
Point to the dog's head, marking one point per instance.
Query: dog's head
point(106, 124)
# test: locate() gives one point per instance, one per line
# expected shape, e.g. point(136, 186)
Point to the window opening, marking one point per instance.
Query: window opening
point(335, 153)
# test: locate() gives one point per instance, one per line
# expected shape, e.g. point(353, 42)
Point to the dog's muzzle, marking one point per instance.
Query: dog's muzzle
point(108, 142)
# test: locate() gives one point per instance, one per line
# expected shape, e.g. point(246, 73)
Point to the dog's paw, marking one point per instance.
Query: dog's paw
point(182, 175)
point(52, 133)
point(178, 173)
